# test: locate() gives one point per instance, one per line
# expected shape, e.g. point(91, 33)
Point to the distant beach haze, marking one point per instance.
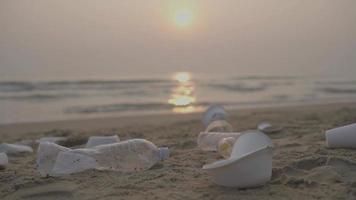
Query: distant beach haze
point(65, 39)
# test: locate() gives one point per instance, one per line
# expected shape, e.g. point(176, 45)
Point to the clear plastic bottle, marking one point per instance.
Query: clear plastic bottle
point(219, 126)
point(127, 156)
point(208, 141)
point(47, 155)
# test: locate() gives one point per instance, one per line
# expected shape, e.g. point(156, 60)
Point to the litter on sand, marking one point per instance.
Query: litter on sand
point(15, 148)
point(341, 137)
point(126, 156)
point(3, 160)
point(268, 128)
point(100, 140)
point(250, 163)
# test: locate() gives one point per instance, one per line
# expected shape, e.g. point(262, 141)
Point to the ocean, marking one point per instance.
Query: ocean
point(34, 101)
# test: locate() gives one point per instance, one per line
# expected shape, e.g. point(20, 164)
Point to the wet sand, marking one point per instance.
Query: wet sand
point(303, 168)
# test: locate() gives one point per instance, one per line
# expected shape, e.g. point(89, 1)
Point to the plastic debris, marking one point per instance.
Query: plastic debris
point(3, 160)
point(52, 139)
point(268, 128)
point(341, 137)
point(250, 163)
point(225, 146)
point(15, 148)
point(219, 126)
point(213, 113)
point(127, 156)
point(100, 140)
point(209, 141)
point(47, 155)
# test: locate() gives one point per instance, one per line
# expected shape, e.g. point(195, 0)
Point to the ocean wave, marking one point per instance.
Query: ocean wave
point(122, 108)
point(335, 90)
point(266, 77)
point(21, 86)
point(240, 87)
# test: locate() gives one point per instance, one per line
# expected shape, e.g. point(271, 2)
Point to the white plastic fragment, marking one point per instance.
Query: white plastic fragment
point(213, 113)
point(250, 164)
point(268, 128)
point(219, 126)
point(100, 140)
point(341, 137)
point(47, 155)
point(15, 148)
point(3, 160)
point(52, 139)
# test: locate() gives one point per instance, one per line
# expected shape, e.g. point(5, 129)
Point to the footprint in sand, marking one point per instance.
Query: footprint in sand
point(317, 171)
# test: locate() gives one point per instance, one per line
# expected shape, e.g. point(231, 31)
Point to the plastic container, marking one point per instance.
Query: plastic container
point(209, 141)
point(225, 146)
point(250, 163)
point(127, 156)
point(219, 126)
point(15, 148)
point(100, 140)
point(342, 137)
point(3, 160)
point(213, 113)
point(47, 155)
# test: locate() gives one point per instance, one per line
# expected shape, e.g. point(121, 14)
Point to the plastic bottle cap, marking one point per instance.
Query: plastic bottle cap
point(163, 153)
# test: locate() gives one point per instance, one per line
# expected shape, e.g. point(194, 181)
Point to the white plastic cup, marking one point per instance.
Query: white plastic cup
point(213, 113)
point(341, 137)
point(250, 163)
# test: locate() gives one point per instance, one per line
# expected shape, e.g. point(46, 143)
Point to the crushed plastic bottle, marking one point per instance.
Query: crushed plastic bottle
point(208, 141)
point(100, 140)
point(3, 160)
point(47, 155)
point(127, 156)
point(219, 126)
point(15, 148)
point(225, 146)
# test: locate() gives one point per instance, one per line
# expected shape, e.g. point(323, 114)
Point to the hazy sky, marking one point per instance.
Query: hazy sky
point(117, 38)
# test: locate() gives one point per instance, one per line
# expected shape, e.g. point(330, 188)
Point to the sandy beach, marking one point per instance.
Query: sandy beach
point(303, 168)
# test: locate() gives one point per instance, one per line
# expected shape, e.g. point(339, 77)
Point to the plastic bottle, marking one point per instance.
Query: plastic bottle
point(208, 141)
point(219, 126)
point(225, 146)
point(127, 156)
point(47, 155)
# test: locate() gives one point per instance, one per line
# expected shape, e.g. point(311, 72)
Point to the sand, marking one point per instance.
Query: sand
point(303, 168)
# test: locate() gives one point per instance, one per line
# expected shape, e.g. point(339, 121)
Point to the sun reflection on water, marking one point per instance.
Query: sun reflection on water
point(182, 97)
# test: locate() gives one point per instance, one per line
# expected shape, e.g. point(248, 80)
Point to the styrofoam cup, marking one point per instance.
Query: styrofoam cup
point(250, 163)
point(341, 137)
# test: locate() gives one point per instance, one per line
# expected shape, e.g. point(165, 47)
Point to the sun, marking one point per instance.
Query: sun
point(183, 17)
